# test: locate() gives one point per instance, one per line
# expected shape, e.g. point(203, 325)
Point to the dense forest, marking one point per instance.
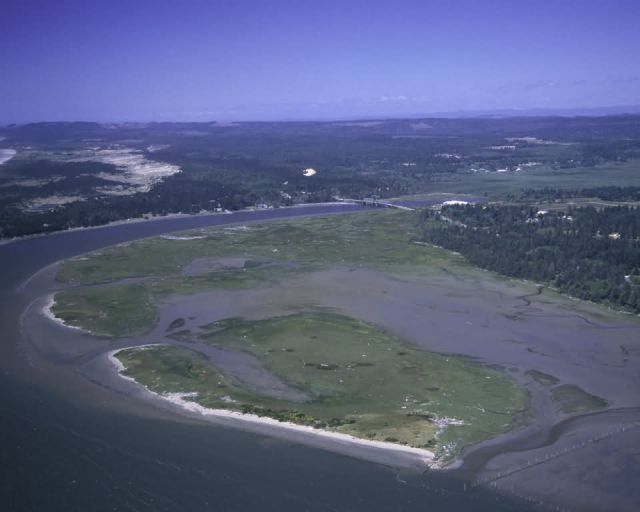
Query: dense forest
point(593, 254)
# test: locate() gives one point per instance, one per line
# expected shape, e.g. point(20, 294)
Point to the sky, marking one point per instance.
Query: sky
point(226, 60)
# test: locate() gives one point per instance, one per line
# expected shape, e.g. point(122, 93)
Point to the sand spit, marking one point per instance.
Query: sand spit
point(46, 311)
point(175, 237)
point(6, 155)
point(183, 400)
point(121, 367)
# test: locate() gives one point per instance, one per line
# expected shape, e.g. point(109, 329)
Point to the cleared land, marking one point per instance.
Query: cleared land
point(496, 186)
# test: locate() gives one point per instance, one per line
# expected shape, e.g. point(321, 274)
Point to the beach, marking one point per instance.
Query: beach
point(6, 155)
point(46, 311)
point(182, 400)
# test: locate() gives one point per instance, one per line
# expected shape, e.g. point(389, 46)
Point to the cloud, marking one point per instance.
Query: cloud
point(624, 80)
point(393, 99)
point(541, 84)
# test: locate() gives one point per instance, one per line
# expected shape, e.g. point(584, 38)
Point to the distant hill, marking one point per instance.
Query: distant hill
point(541, 112)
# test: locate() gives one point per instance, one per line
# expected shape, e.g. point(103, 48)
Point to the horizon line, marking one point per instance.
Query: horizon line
point(498, 113)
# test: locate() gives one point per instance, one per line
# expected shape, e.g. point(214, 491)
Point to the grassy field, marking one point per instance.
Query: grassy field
point(123, 310)
point(382, 240)
point(363, 381)
point(496, 186)
point(112, 311)
point(376, 239)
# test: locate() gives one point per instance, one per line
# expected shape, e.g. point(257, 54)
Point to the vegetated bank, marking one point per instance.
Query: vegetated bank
point(589, 253)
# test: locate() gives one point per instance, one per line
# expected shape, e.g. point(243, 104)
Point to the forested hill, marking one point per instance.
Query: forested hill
point(55, 176)
point(588, 253)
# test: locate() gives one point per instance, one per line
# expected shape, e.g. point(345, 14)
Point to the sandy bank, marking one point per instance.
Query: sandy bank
point(183, 401)
point(6, 155)
point(120, 367)
point(46, 311)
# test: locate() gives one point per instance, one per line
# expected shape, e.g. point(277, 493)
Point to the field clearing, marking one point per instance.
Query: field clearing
point(580, 202)
point(497, 186)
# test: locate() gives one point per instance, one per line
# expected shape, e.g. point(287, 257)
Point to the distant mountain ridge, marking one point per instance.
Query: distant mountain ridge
point(620, 110)
point(543, 112)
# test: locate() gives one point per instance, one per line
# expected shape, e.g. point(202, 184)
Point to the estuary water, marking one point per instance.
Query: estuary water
point(70, 444)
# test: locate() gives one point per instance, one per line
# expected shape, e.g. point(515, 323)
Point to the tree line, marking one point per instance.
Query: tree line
point(589, 253)
point(610, 193)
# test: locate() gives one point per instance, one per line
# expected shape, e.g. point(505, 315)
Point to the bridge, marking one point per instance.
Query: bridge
point(373, 202)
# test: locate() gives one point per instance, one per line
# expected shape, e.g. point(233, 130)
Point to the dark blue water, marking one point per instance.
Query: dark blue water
point(68, 445)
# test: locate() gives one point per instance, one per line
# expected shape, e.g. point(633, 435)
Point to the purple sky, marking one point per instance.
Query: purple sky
point(270, 59)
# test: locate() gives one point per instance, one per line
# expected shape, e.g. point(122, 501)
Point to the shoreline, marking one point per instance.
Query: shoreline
point(181, 400)
point(46, 311)
point(179, 215)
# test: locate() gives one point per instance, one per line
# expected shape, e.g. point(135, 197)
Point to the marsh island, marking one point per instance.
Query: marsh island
point(348, 324)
